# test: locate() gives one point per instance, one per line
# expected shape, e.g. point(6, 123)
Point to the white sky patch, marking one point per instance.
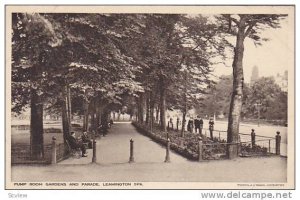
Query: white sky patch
point(270, 58)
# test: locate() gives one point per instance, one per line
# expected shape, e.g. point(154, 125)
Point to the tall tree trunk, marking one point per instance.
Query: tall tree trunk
point(183, 123)
point(69, 105)
point(137, 109)
point(86, 115)
point(104, 116)
point(147, 107)
point(65, 121)
point(162, 105)
point(36, 126)
point(92, 113)
point(237, 94)
point(185, 103)
point(97, 119)
point(93, 119)
point(141, 109)
point(151, 110)
point(119, 115)
point(157, 115)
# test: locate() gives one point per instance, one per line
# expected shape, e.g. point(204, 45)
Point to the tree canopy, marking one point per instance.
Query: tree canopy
point(96, 63)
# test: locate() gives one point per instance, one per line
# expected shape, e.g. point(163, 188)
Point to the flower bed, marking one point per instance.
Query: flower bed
point(161, 138)
point(247, 150)
point(187, 146)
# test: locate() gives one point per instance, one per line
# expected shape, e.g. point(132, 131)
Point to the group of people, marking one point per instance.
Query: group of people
point(103, 128)
point(192, 124)
point(198, 124)
point(81, 143)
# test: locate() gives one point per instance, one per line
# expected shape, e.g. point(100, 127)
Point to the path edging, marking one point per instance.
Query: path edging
point(163, 141)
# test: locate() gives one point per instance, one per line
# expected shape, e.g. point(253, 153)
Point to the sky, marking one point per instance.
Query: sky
point(271, 57)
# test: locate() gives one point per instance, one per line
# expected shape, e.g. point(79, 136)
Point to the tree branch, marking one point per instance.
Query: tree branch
point(235, 21)
point(228, 16)
point(247, 32)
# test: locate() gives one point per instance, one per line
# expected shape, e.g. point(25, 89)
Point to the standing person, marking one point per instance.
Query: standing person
point(190, 125)
point(201, 125)
point(99, 130)
point(171, 123)
point(104, 128)
point(211, 127)
point(197, 124)
point(177, 123)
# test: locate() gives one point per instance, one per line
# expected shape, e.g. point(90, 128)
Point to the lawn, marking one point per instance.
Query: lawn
point(51, 129)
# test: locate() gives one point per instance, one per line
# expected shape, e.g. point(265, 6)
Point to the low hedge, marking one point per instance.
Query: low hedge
point(161, 139)
point(187, 146)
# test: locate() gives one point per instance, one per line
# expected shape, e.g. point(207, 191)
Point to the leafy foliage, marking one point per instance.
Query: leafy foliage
point(271, 99)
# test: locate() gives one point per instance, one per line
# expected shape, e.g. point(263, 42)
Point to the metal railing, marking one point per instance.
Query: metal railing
point(62, 151)
point(217, 150)
point(217, 147)
point(22, 154)
point(260, 140)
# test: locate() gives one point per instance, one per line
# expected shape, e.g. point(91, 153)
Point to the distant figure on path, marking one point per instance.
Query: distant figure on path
point(171, 123)
point(211, 127)
point(190, 125)
point(201, 125)
point(104, 129)
point(197, 124)
point(99, 129)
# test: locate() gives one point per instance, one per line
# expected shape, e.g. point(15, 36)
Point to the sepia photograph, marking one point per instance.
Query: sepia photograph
point(150, 97)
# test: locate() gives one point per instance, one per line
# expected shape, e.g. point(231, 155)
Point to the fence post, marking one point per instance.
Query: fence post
point(269, 146)
point(167, 160)
point(200, 150)
point(181, 143)
point(252, 137)
point(239, 145)
point(53, 151)
point(278, 140)
point(94, 158)
point(131, 158)
point(211, 133)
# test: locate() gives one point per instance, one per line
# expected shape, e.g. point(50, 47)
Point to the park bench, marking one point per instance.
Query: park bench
point(87, 145)
point(74, 152)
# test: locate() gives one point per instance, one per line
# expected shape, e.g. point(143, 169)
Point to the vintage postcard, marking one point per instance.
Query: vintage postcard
point(150, 97)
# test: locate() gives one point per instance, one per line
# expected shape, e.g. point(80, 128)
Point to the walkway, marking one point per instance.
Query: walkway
point(112, 164)
point(114, 148)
